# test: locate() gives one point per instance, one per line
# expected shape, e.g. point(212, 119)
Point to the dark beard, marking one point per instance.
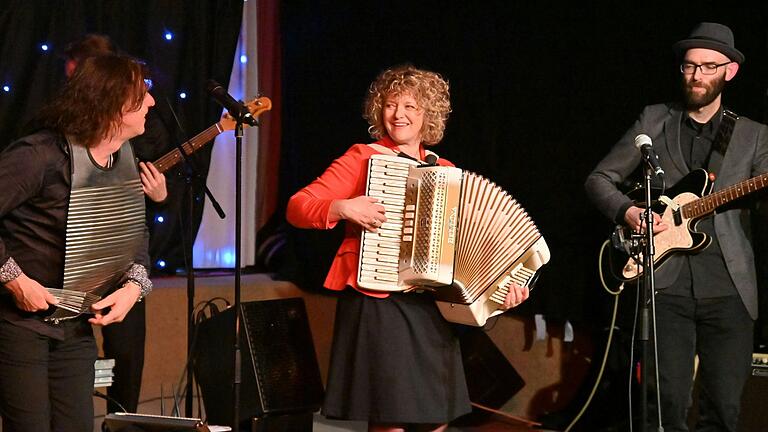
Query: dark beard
point(694, 101)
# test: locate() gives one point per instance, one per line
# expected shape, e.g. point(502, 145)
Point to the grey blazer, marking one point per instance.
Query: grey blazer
point(747, 156)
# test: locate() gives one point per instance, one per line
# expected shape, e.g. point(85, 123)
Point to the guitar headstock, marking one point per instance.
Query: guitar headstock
point(255, 106)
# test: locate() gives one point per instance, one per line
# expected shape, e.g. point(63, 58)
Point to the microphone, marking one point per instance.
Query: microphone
point(431, 160)
point(235, 108)
point(644, 144)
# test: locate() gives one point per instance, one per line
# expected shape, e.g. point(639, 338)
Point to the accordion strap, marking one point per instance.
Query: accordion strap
point(389, 151)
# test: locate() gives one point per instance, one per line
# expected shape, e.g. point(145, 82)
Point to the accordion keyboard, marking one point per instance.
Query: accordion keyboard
point(380, 250)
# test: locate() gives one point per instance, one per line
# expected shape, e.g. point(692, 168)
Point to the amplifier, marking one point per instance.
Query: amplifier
point(760, 364)
point(752, 417)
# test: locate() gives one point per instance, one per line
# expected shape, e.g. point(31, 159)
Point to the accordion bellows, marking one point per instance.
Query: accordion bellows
point(452, 232)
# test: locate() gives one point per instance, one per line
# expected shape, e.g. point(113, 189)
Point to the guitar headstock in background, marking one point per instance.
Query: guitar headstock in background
point(255, 106)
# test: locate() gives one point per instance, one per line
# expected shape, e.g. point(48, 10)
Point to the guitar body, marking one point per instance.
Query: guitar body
point(677, 238)
point(619, 263)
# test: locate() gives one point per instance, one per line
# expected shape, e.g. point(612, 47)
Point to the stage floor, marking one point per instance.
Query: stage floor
point(545, 365)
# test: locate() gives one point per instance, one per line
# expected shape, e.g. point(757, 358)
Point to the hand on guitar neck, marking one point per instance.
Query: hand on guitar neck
point(635, 219)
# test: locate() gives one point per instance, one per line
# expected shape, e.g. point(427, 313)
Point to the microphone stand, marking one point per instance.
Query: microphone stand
point(190, 174)
point(648, 316)
point(236, 376)
point(242, 115)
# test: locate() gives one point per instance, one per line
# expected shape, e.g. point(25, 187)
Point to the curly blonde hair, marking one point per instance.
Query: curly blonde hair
point(428, 88)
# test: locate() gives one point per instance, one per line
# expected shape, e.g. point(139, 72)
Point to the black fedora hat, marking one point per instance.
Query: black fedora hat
point(712, 36)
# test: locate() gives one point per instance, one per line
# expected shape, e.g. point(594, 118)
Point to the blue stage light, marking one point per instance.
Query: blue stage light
point(183, 95)
point(161, 263)
point(168, 35)
point(6, 88)
point(243, 59)
point(228, 258)
point(159, 219)
point(44, 47)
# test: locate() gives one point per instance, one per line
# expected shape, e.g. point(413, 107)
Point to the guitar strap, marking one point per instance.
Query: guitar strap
point(722, 136)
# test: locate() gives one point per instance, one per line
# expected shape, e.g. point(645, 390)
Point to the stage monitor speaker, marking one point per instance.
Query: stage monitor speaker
point(279, 367)
point(491, 379)
point(297, 422)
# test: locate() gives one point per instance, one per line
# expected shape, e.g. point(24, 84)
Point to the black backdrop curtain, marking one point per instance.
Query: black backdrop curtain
point(539, 94)
point(202, 45)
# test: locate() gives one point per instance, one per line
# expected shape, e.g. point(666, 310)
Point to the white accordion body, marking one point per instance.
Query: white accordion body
point(451, 232)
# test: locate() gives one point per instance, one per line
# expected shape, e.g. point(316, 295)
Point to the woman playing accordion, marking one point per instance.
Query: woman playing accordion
point(395, 360)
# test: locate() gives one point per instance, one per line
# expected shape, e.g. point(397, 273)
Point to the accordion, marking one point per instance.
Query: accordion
point(449, 231)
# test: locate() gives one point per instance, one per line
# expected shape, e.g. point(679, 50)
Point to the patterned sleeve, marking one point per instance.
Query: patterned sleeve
point(138, 275)
point(9, 271)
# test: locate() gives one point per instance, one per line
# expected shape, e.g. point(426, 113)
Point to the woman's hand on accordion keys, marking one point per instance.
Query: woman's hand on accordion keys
point(362, 210)
point(516, 295)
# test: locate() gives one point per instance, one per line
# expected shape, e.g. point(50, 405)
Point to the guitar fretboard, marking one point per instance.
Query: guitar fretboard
point(170, 159)
point(708, 204)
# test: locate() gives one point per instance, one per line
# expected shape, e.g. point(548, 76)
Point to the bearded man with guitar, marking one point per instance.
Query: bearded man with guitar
point(706, 299)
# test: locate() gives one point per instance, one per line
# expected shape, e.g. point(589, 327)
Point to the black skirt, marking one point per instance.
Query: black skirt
point(394, 360)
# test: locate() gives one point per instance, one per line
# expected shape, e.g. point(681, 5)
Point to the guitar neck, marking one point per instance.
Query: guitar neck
point(707, 204)
point(170, 159)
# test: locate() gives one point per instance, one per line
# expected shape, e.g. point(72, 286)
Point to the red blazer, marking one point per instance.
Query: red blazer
point(345, 178)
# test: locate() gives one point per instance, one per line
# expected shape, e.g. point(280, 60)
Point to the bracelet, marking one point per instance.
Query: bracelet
point(9, 271)
point(138, 275)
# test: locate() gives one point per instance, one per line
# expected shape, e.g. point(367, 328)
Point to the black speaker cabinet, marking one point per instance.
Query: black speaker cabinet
point(279, 367)
point(753, 416)
point(296, 422)
point(491, 379)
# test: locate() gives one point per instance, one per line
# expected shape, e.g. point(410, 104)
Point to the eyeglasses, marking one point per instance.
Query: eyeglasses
point(706, 68)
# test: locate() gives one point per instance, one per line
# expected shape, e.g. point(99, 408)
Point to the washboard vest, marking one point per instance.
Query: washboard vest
point(452, 232)
point(105, 229)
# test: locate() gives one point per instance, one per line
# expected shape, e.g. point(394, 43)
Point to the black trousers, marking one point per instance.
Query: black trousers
point(46, 384)
point(719, 330)
point(124, 342)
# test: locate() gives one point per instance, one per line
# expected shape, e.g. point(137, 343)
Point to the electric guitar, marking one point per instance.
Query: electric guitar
point(256, 107)
point(692, 201)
